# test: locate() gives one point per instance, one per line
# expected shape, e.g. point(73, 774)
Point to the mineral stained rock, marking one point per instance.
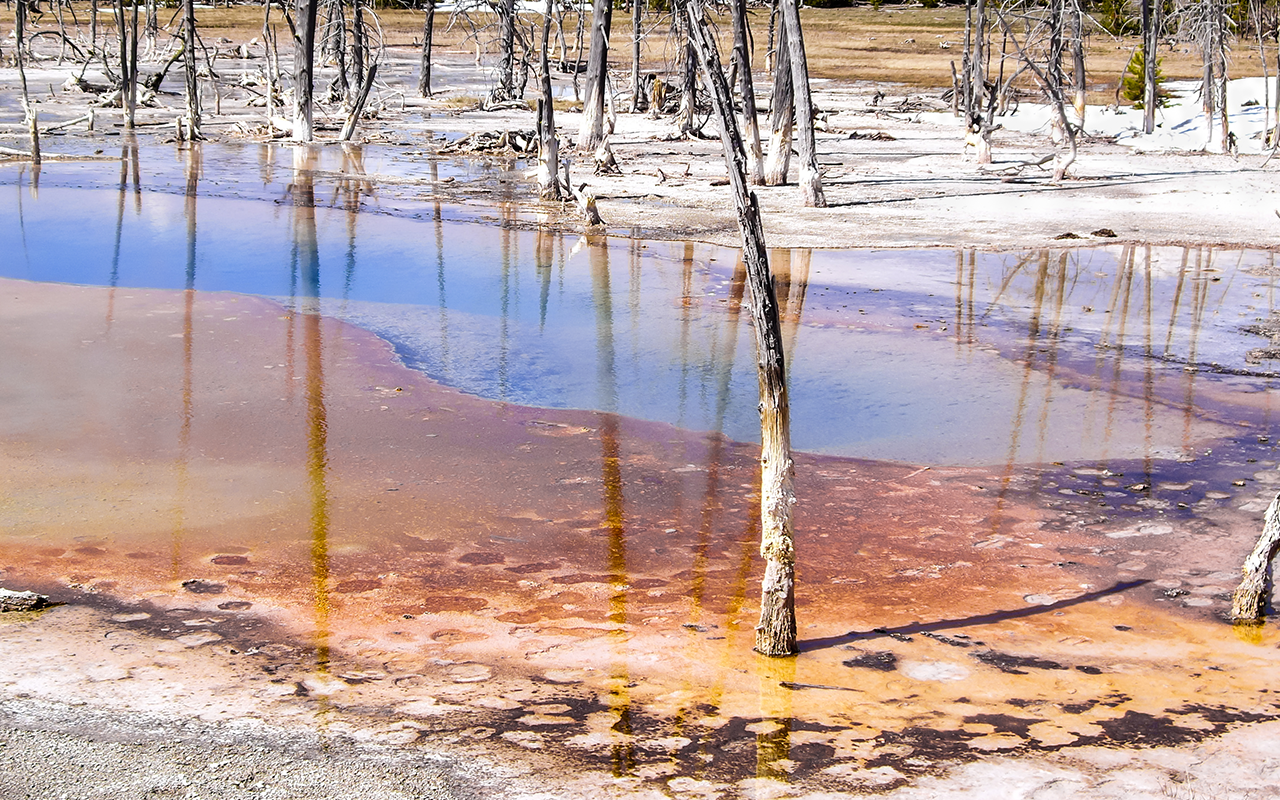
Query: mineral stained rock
point(22, 601)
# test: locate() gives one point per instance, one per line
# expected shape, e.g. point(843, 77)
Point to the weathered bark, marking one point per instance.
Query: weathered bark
point(778, 160)
point(1251, 596)
point(548, 144)
point(1077, 58)
point(810, 178)
point(359, 45)
point(505, 90)
point(688, 81)
point(358, 106)
point(746, 87)
point(1151, 10)
point(428, 30)
point(128, 38)
point(304, 59)
point(268, 41)
point(192, 82)
point(1053, 93)
point(979, 118)
point(776, 631)
point(637, 9)
point(33, 126)
point(592, 131)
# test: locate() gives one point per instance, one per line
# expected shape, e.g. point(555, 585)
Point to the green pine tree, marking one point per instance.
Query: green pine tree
point(1133, 81)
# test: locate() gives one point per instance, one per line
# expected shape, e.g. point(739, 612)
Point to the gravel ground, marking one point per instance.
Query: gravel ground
point(86, 753)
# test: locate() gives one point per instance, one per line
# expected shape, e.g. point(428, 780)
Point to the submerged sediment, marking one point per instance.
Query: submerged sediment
point(252, 511)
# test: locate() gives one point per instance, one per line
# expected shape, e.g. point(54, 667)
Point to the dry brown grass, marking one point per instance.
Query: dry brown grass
point(913, 46)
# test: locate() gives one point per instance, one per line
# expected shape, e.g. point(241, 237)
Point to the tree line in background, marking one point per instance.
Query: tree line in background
point(1010, 47)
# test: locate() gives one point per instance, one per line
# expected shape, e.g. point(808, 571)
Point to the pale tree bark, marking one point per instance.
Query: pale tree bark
point(637, 13)
point(192, 82)
point(688, 79)
point(128, 37)
point(1251, 596)
point(1078, 33)
point(778, 160)
point(1207, 23)
point(776, 631)
point(304, 59)
point(428, 31)
point(977, 106)
point(33, 125)
point(505, 90)
point(268, 41)
point(810, 178)
point(357, 105)
point(1151, 21)
point(746, 87)
point(592, 132)
point(1053, 92)
point(548, 144)
point(360, 57)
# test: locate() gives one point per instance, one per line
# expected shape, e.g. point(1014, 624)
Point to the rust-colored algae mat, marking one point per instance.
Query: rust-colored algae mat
point(262, 502)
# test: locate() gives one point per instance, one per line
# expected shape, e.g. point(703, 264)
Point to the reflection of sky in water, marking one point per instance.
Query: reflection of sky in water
point(915, 356)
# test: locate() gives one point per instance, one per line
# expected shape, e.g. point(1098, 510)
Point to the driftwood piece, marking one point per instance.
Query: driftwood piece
point(587, 205)
point(1251, 595)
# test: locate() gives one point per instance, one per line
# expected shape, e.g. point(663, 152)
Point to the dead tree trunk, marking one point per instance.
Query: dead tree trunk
point(637, 8)
point(776, 631)
point(548, 144)
point(1078, 33)
point(592, 131)
point(978, 118)
point(428, 30)
point(688, 80)
point(505, 90)
point(128, 38)
point(33, 125)
point(810, 179)
point(193, 84)
point(778, 160)
point(268, 41)
point(1053, 93)
point(1151, 11)
point(304, 59)
point(746, 87)
point(1251, 596)
point(357, 107)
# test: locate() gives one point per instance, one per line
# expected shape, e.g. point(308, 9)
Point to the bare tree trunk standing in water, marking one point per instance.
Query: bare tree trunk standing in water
point(810, 178)
point(193, 84)
point(750, 124)
point(779, 159)
point(1251, 596)
point(548, 145)
point(776, 632)
point(428, 30)
point(592, 131)
point(20, 23)
point(304, 59)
